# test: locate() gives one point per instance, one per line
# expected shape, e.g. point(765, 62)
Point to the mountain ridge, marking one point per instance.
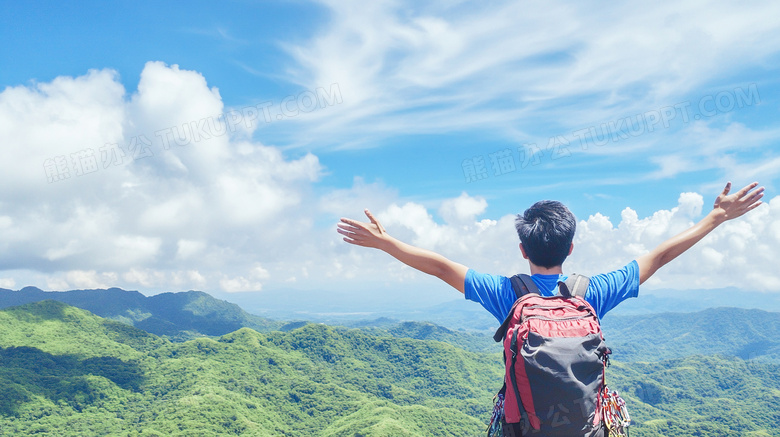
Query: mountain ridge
point(320, 381)
point(180, 315)
point(461, 314)
point(745, 333)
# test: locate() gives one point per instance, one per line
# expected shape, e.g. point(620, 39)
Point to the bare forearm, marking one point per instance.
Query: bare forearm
point(675, 246)
point(374, 235)
point(683, 241)
point(727, 207)
point(423, 260)
point(426, 261)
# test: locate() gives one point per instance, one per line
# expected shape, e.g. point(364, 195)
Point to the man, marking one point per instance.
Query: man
point(546, 233)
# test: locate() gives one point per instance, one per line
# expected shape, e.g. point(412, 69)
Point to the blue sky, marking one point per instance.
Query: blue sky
point(444, 118)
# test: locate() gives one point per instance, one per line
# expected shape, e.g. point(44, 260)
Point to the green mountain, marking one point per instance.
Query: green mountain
point(700, 396)
point(471, 341)
point(686, 301)
point(67, 372)
point(460, 314)
point(747, 334)
point(176, 315)
point(61, 329)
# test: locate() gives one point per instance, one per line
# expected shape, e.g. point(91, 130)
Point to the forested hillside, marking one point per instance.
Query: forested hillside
point(58, 363)
point(179, 316)
point(67, 372)
point(747, 334)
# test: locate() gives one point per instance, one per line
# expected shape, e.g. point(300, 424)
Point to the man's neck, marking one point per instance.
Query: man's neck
point(537, 270)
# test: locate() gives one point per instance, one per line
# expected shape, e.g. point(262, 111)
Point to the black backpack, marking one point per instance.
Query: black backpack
point(555, 358)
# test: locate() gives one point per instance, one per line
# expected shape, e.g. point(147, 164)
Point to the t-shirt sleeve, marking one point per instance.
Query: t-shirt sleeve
point(607, 290)
point(493, 292)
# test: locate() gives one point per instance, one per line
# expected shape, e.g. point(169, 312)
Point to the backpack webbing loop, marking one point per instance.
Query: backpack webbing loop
point(522, 284)
point(574, 286)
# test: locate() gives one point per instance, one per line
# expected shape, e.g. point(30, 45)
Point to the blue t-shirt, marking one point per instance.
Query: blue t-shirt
point(605, 291)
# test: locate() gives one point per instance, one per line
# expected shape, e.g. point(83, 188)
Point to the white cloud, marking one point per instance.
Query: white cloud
point(732, 148)
point(524, 72)
point(134, 249)
point(735, 254)
point(190, 279)
point(57, 283)
point(462, 209)
point(259, 273)
point(486, 245)
point(740, 253)
point(189, 209)
point(148, 278)
point(441, 66)
point(239, 284)
point(187, 249)
point(195, 277)
point(46, 120)
point(83, 279)
point(600, 245)
point(352, 201)
point(7, 283)
point(214, 205)
point(170, 213)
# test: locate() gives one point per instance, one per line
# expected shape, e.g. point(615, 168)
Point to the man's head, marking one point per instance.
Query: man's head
point(546, 231)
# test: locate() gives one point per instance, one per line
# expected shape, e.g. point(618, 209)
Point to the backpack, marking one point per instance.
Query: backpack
point(555, 358)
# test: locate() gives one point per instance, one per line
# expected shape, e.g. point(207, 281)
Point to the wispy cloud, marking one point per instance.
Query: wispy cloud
point(219, 33)
point(733, 149)
point(411, 67)
point(231, 212)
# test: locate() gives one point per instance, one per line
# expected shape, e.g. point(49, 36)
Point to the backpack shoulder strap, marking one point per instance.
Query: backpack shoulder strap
point(523, 284)
point(575, 285)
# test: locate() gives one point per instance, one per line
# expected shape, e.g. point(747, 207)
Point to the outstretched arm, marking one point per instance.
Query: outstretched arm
point(373, 234)
point(727, 206)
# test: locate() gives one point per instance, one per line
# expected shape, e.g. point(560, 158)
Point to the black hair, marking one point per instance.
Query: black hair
point(546, 230)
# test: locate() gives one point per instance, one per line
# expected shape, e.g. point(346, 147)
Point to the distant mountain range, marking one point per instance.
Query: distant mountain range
point(179, 316)
point(184, 314)
point(67, 372)
point(747, 334)
point(744, 333)
point(461, 314)
point(685, 301)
